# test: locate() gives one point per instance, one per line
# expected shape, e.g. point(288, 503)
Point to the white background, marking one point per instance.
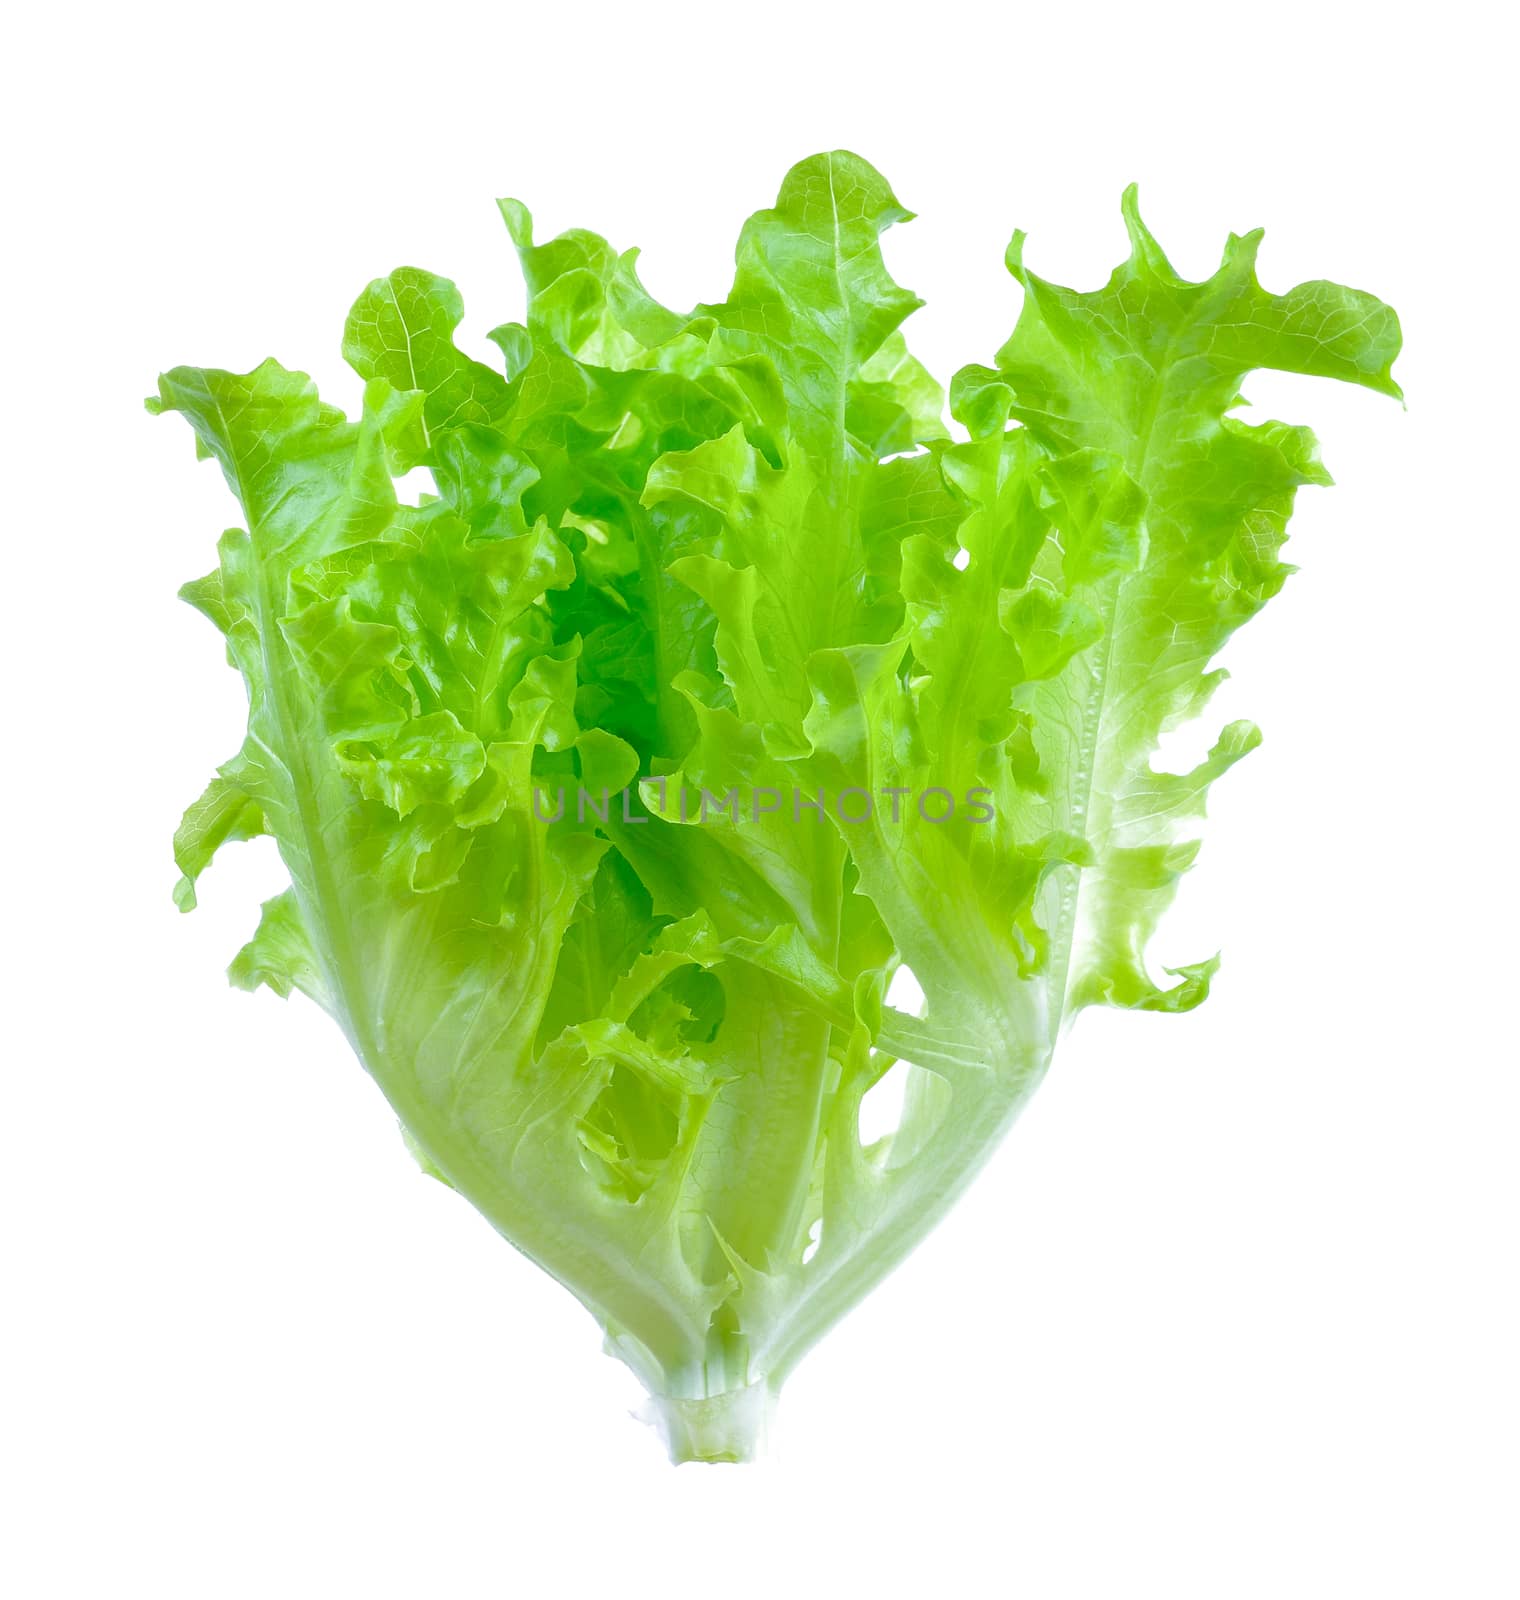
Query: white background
point(1234, 1313)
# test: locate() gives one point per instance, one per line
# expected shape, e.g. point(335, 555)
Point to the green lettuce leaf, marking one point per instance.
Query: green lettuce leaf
point(714, 688)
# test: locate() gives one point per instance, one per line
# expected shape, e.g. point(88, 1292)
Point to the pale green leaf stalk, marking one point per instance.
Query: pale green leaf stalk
point(736, 552)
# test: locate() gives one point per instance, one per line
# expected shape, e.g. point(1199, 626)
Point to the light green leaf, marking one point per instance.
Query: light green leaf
point(715, 690)
point(223, 813)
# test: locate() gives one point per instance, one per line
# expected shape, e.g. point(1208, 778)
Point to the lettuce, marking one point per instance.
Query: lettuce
point(716, 683)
